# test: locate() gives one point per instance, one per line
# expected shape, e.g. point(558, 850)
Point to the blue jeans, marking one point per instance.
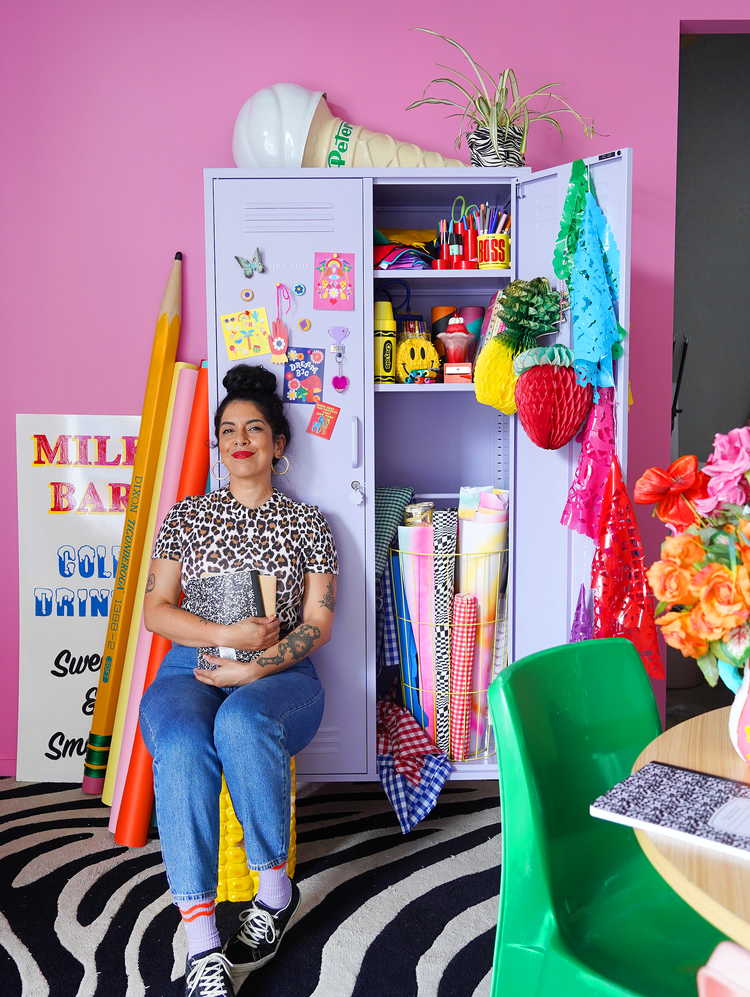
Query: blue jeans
point(194, 732)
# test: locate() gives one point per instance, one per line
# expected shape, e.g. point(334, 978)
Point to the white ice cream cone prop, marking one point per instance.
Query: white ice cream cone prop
point(286, 125)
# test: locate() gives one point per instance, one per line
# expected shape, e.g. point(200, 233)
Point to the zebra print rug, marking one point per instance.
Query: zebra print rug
point(382, 913)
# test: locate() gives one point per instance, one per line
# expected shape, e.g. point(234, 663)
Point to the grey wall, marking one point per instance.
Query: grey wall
point(712, 258)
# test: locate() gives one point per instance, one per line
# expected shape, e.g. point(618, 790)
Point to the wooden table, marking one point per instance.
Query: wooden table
point(715, 885)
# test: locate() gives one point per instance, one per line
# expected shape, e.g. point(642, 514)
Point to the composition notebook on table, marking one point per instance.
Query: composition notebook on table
point(692, 806)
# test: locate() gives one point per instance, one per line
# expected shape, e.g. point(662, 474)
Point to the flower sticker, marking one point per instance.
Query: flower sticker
point(316, 356)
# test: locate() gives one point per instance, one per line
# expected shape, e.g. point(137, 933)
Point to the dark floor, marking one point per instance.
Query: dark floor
point(698, 697)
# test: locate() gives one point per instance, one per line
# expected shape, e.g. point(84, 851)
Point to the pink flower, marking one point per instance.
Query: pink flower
point(316, 356)
point(726, 468)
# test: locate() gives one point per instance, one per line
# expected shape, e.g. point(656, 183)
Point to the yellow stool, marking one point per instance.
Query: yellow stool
point(236, 881)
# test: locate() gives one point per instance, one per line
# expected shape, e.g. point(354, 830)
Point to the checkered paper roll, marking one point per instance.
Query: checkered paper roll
point(463, 639)
point(444, 538)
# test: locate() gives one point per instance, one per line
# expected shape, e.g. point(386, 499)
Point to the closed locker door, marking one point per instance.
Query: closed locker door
point(290, 220)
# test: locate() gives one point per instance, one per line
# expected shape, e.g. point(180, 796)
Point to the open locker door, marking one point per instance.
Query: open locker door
point(551, 561)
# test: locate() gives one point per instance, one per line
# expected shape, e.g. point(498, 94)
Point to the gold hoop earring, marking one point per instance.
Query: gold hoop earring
point(285, 469)
point(216, 474)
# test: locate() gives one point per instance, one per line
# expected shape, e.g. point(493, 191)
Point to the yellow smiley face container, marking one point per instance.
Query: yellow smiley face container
point(415, 355)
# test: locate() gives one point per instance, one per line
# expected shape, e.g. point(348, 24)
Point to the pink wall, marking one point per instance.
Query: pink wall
point(111, 111)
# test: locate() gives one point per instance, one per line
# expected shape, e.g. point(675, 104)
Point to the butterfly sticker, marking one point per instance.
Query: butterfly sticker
point(249, 267)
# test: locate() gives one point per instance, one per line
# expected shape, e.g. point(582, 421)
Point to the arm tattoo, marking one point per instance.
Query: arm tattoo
point(299, 643)
point(329, 599)
point(150, 584)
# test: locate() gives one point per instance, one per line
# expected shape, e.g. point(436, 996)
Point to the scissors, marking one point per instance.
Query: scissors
point(464, 209)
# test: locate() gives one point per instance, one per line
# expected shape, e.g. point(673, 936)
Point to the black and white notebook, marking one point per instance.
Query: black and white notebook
point(692, 806)
point(226, 599)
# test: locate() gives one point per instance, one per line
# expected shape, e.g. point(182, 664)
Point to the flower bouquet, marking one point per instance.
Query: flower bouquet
point(702, 583)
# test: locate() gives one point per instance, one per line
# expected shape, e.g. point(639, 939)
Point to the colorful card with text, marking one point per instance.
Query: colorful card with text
point(323, 420)
point(246, 334)
point(303, 374)
point(334, 281)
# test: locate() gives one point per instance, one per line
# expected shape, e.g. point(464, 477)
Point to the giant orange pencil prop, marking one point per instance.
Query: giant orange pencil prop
point(155, 403)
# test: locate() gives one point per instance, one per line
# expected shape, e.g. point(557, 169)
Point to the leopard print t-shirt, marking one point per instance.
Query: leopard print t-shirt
point(214, 533)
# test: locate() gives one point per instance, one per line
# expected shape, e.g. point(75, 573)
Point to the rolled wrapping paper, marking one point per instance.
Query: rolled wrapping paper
point(444, 538)
point(439, 316)
point(138, 792)
point(156, 400)
point(473, 316)
point(463, 638)
point(418, 578)
point(479, 572)
point(407, 648)
point(139, 642)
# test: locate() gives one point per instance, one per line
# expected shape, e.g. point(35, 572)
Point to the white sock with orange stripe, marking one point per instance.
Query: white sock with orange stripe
point(200, 923)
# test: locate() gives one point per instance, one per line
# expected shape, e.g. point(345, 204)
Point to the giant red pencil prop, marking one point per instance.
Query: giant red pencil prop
point(155, 403)
point(138, 793)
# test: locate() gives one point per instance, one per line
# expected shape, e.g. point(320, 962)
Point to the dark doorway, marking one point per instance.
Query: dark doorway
point(712, 253)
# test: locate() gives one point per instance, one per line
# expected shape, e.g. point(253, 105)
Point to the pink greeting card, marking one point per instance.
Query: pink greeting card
point(323, 420)
point(334, 281)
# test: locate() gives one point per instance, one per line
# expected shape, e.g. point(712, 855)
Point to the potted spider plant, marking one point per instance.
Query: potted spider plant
point(495, 117)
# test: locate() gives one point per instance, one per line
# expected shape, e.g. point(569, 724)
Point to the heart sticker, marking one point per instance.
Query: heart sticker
point(340, 383)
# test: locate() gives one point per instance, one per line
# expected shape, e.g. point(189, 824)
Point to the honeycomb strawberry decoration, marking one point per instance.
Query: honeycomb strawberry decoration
point(551, 405)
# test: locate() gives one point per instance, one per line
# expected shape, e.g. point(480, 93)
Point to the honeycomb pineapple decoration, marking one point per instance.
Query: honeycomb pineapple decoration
point(526, 310)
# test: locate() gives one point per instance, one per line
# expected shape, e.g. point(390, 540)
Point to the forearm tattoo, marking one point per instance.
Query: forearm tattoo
point(151, 582)
point(299, 642)
point(329, 599)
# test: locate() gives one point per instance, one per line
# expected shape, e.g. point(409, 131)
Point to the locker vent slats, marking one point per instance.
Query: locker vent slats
point(288, 216)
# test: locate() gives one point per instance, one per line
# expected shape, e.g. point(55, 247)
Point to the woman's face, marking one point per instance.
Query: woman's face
point(246, 442)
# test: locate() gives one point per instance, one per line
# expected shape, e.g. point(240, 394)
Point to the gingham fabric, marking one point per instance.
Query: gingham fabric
point(444, 538)
point(412, 803)
point(389, 639)
point(410, 767)
point(463, 638)
point(389, 515)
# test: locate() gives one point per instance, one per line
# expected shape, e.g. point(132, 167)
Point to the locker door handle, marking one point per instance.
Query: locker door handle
point(355, 441)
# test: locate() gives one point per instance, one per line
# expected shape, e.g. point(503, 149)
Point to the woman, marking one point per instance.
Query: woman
point(245, 718)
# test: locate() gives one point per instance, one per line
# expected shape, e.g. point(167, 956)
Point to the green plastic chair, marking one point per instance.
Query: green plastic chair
point(582, 911)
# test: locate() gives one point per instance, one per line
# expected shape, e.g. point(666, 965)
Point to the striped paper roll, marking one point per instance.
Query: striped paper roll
point(138, 792)
point(444, 536)
point(139, 643)
point(463, 637)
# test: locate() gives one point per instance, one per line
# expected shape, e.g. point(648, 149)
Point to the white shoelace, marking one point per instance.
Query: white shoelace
point(257, 925)
point(207, 972)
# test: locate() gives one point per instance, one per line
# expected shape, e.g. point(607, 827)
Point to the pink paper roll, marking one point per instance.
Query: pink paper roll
point(418, 578)
point(172, 467)
point(479, 546)
point(463, 638)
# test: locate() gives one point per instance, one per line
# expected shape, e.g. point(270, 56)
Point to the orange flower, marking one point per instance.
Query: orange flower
point(684, 548)
point(720, 597)
point(671, 488)
point(678, 632)
point(670, 583)
point(701, 627)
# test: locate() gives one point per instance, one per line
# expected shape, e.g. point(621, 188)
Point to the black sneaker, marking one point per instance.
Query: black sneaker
point(260, 934)
point(207, 975)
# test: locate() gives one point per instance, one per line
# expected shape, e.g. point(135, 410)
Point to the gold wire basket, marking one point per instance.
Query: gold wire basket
point(451, 623)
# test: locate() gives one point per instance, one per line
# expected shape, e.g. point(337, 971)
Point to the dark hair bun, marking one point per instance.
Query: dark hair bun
point(243, 377)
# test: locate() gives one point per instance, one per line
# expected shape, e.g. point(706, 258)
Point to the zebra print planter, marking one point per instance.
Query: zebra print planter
point(482, 152)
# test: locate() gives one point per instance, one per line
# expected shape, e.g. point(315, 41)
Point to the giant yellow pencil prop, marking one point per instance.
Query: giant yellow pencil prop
point(155, 404)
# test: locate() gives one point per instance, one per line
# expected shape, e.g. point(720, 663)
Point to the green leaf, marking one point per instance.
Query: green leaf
point(660, 607)
point(709, 667)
